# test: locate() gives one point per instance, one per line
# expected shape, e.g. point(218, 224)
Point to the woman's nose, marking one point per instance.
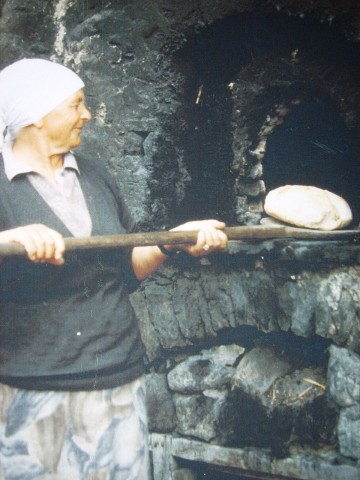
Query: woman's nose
point(86, 114)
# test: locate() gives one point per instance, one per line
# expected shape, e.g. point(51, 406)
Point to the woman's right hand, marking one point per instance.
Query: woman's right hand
point(42, 244)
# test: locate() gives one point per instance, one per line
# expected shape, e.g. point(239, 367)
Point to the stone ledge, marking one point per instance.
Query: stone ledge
point(333, 251)
point(303, 467)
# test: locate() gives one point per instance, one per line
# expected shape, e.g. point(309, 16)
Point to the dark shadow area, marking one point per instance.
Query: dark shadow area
point(209, 62)
point(306, 352)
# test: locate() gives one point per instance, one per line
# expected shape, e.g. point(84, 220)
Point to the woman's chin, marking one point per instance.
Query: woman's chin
point(76, 142)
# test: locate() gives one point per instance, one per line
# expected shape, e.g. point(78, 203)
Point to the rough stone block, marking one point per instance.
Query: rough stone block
point(349, 432)
point(258, 370)
point(161, 409)
point(197, 416)
point(343, 376)
point(298, 300)
point(212, 369)
point(337, 309)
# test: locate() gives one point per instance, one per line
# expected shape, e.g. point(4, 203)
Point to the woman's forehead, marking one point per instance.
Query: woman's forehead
point(75, 97)
point(78, 95)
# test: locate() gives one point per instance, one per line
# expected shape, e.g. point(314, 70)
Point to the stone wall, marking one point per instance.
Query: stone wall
point(259, 347)
point(294, 388)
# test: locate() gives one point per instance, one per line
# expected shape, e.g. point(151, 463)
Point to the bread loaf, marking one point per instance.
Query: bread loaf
point(308, 207)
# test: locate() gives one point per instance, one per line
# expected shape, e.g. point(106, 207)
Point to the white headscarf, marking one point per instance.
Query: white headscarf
point(30, 89)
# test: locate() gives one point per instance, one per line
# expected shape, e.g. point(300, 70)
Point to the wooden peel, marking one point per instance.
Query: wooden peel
point(252, 233)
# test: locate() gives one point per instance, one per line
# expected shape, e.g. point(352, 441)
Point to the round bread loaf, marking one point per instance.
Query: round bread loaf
point(308, 207)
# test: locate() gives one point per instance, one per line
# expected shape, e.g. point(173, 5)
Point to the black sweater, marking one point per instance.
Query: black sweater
point(69, 327)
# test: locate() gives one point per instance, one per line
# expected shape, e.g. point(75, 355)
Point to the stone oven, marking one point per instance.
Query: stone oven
point(201, 108)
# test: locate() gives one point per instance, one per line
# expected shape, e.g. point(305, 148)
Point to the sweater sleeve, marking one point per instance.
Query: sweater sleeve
point(127, 221)
point(130, 226)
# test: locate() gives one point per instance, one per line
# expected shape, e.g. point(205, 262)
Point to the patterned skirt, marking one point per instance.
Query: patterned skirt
point(95, 435)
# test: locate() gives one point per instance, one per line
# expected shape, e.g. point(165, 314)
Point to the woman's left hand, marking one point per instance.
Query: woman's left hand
point(211, 237)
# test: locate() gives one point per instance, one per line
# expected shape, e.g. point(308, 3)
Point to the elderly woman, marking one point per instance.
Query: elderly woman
point(71, 358)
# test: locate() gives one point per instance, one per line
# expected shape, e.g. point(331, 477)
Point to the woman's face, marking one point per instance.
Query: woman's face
point(63, 125)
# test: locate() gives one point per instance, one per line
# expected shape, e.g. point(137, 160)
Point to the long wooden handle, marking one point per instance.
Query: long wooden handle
point(251, 233)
